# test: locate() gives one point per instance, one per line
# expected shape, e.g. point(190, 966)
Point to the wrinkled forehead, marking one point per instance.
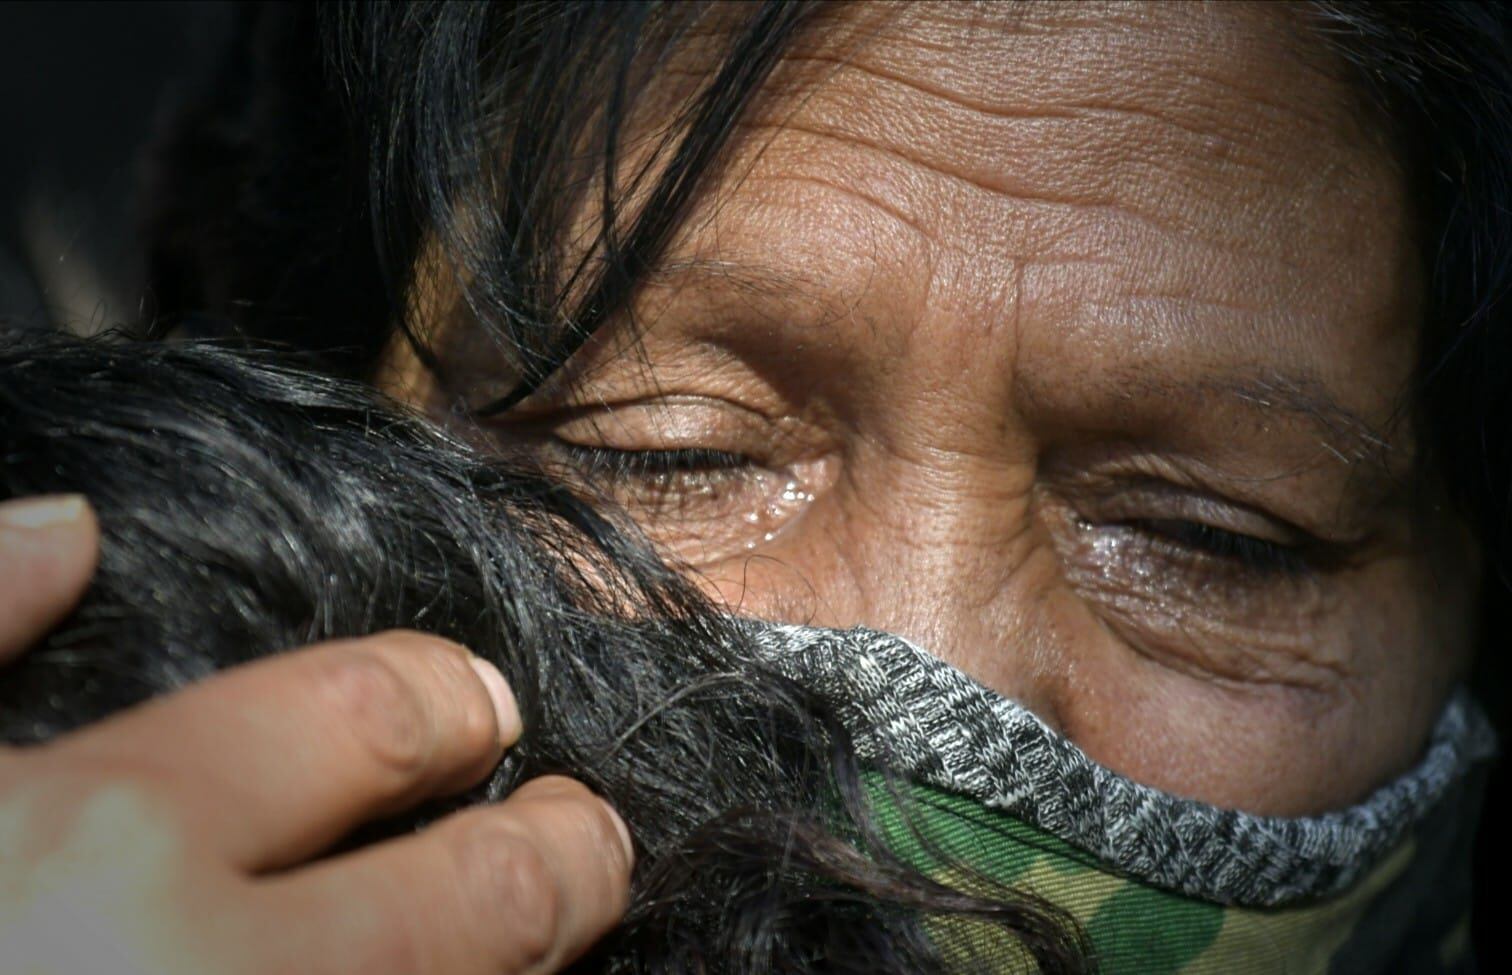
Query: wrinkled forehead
point(1200, 175)
point(1204, 118)
point(1083, 96)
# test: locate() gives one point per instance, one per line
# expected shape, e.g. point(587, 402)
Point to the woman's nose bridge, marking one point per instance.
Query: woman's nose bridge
point(961, 572)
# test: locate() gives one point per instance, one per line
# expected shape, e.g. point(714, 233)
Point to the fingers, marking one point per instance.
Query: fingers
point(274, 761)
point(48, 549)
point(524, 886)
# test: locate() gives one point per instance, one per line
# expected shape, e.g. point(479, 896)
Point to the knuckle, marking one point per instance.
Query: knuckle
point(515, 901)
point(380, 708)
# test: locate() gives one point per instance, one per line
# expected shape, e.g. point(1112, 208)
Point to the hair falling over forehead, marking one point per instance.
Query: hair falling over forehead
point(489, 127)
point(249, 507)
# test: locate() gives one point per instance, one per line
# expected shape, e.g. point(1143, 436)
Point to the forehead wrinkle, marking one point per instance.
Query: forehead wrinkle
point(856, 139)
point(1045, 228)
point(1083, 95)
point(1150, 204)
point(1137, 268)
point(930, 42)
point(872, 201)
point(1129, 182)
point(1083, 110)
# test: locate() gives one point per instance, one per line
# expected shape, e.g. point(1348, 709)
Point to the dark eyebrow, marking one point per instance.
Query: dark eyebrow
point(1342, 432)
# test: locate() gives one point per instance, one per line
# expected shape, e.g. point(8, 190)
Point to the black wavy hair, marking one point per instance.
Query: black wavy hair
point(249, 507)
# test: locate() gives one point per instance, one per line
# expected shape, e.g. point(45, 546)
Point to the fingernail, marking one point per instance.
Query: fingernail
point(506, 710)
point(624, 831)
point(41, 513)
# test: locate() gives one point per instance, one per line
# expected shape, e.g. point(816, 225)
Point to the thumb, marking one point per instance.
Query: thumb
point(49, 546)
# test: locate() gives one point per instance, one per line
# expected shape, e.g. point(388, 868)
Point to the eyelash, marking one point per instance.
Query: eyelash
point(623, 464)
point(1255, 554)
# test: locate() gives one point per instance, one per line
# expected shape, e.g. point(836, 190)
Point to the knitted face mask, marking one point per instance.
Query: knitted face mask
point(1157, 883)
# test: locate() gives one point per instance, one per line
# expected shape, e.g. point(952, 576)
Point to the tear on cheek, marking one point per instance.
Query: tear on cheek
point(1289, 631)
point(752, 509)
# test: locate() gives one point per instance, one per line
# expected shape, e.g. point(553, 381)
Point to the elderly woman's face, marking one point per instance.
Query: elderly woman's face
point(1068, 343)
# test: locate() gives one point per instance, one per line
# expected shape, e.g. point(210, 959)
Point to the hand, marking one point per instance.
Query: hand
point(179, 836)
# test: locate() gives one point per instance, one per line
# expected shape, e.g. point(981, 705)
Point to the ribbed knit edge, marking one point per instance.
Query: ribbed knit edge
point(924, 719)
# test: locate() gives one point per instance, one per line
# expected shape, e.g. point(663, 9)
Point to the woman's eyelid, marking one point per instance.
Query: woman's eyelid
point(681, 423)
point(1197, 539)
point(1123, 483)
point(1223, 516)
point(1145, 501)
point(616, 432)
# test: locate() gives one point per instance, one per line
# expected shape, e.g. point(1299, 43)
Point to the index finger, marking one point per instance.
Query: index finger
point(273, 761)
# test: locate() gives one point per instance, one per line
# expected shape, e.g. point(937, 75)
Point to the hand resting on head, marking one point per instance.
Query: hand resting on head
point(246, 508)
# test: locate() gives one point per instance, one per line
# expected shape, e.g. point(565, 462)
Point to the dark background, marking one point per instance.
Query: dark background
point(81, 84)
point(84, 85)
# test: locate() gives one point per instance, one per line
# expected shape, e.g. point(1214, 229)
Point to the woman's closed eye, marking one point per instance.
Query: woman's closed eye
point(705, 477)
point(1197, 581)
point(1184, 538)
point(667, 466)
point(1131, 514)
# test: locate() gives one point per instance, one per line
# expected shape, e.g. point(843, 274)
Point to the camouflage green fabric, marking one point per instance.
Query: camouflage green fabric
point(1396, 919)
point(928, 722)
point(1158, 882)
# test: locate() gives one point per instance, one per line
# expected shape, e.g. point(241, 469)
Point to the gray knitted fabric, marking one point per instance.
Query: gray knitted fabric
point(926, 720)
